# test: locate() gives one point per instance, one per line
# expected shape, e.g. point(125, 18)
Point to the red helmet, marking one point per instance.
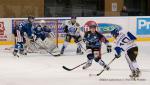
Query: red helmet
point(90, 24)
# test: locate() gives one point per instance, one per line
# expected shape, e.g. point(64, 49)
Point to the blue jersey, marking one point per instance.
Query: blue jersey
point(38, 31)
point(27, 28)
point(42, 33)
point(18, 34)
point(94, 39)
point(46, 29)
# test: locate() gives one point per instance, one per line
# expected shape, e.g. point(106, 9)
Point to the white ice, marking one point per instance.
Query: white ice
point(44, 69)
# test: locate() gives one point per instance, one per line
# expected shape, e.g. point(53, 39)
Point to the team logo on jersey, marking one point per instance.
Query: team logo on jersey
point(143, 26)
point(2, 28)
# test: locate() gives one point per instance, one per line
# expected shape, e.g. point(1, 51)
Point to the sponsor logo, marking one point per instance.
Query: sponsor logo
point(2, 28)
point(3, 37)
point(143, 26)
point(107, 27)
point(102, 27)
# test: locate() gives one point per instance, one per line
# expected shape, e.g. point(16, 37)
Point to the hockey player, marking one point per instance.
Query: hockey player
point(45, 39)
point(72, 30)
point(125, 42)
point(19, 41)
point(23, 34)
point(93, 40)
point(39, 32)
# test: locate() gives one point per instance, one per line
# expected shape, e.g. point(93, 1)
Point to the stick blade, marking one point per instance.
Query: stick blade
point(64, 67)
point(57, 55)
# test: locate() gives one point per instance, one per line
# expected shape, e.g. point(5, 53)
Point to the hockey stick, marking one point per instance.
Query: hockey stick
point(70, 69)
point(82, 46)
point(47, 50)
point(103, 69)
point(17, 55)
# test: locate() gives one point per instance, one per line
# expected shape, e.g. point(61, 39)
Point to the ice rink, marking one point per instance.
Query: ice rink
point(44, 69)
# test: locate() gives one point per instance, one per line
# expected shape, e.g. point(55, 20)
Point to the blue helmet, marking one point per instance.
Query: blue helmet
point(73, 17)
point(115, 32)
point(30, 17)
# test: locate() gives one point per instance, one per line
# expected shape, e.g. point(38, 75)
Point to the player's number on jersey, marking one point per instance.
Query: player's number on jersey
point(124, 41)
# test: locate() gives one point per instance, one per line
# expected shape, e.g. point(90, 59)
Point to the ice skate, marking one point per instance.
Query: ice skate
point(22, 52)
point(79, 52)
point(62, 50)
point(133, 75)
point(138, 72)
point(87, 65)
point(14, 53)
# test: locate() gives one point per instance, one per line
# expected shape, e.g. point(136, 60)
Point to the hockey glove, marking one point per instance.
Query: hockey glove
point(117, 56)
point(65, 29)
point(109, 49)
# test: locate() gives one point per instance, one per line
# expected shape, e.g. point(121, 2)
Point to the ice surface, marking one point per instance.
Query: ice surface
point(44, 69)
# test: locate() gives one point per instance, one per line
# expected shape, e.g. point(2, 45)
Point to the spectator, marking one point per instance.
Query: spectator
point(124, 11)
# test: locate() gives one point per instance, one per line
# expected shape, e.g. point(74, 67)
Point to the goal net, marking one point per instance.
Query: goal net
point(49, 44)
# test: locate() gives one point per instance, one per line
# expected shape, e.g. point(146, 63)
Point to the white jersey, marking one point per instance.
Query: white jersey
point(125, 42)
point(73, 29)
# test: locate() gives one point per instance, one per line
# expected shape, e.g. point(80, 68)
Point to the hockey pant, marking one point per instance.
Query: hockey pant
point(96, 55)
point(130, 56)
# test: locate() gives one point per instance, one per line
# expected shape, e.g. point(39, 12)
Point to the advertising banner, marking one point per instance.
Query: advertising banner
point(143, 26)
point(5, 31)
point(139, 26)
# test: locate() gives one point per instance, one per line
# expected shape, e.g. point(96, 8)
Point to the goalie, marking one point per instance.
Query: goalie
point(44, 39)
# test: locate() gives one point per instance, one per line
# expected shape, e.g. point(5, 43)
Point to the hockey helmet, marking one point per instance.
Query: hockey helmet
point(92, 24)
point(73, 17)
point(30, 17)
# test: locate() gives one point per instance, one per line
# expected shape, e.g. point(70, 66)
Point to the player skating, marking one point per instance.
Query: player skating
point(125, 42)
point(72, 30)
point(93, 40)
point(24, 35)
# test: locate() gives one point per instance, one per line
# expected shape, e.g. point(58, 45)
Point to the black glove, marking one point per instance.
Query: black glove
point(117, 56)
point(109, 49)
point(65, 29)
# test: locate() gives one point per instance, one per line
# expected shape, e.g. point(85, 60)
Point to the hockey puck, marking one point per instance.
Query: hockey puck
point(92, 75)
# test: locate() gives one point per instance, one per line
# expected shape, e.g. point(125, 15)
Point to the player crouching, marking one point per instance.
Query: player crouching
point(125, 42)
point(45, 39)
point(93, 40)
